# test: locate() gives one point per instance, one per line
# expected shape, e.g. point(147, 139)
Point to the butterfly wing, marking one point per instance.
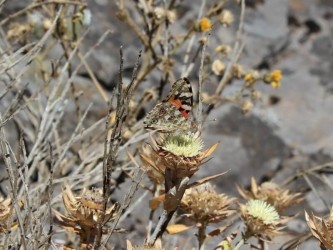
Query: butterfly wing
point(172, 113)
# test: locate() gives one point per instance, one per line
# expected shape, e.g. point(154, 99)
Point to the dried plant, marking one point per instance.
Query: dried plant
point(321, 229)
point(204, 206)
point(261, 220)
point(180, 154)
point(280, 198)
point(85, 213)
point(5, 213)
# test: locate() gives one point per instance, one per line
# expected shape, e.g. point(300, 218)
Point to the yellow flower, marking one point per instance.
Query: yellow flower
point(248, 77)
point(276, 85)
point(223, 49)
point(251, 77)
point(273, 78)
point(276, 75)
point(205, 24)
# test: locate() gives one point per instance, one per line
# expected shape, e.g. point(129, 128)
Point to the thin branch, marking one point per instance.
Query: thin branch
point(236, 51)
point(125, 204)
point(173, 198)
point(123, 99)
point(34, 51)
point(50, 185)
point(37, 5)
point(69, 142)
point(201, 73)
point(94, 79)
point(190, 44)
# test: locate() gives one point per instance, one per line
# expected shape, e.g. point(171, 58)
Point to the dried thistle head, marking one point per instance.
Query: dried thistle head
point(179, 152)
point(152, 164)
point(204, 205)
point(19, 32)
point(271, 193)
point(260, 218)
point(321, 229)
point(85, 212)
point(156, 246)
point(5, 212)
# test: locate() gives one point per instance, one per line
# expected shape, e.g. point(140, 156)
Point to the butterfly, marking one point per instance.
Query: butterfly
point(173, 113)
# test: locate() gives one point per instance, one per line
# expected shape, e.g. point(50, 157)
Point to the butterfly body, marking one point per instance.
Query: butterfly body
point(173, 113)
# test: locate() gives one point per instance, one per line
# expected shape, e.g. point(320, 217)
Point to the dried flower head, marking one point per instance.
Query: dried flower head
point(152, 164)
point(85, 212)
point(162, 13)
point(5, 212)
point(226, 17)
point(238, 71)
point(273, 78)
point(251, 78)
point(205, 206)
point(218, 67)
point(19, 32)
point(270, 192)
point(223, 49)
point(260, 218)
point(321, 229)
point(182, 153)
point(203, 40)
point(246, 106)
point(205, 24)
point(255, 95)
point(156, 246)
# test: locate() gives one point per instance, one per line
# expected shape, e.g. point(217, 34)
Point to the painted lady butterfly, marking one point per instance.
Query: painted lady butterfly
point(173, 113)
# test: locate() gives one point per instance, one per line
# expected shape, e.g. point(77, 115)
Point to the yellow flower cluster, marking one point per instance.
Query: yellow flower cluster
point(273, 78)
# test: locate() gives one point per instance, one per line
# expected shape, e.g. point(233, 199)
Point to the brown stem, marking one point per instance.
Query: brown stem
point(172, 201)
point(201, 234)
